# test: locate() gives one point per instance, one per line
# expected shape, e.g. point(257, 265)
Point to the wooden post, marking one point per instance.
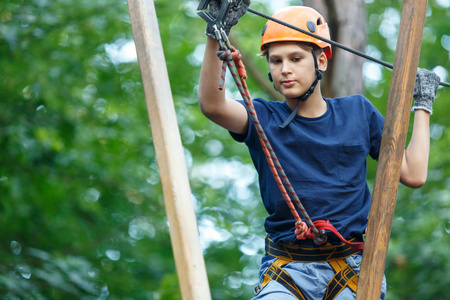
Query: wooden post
point(169, 152)
point(392, 149)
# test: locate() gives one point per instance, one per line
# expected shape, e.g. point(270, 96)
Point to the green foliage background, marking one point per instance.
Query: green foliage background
point(81, 209)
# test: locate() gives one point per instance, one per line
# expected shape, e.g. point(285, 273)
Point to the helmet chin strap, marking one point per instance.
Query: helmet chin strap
point(306, 95)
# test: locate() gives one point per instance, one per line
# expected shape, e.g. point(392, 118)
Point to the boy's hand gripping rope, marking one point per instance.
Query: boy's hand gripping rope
point(227, 53)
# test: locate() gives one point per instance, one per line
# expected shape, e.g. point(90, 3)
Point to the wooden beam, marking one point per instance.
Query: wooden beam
point(188, 255)
point(392, 149)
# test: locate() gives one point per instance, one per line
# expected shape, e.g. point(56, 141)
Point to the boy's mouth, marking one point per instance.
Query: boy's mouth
point(288, 83)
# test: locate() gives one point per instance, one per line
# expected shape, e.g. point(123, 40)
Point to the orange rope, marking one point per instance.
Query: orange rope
point(227, 53)
point(316, 230)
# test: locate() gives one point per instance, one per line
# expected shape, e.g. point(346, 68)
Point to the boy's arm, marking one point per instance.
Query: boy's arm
point(223, 111)
point(415, 159)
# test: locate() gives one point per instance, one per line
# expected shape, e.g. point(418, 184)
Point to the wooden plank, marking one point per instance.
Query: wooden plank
point(188, 255)
point(392, 149)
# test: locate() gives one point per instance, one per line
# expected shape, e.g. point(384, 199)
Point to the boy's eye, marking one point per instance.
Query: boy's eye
point(276, 61)
point(296, 59)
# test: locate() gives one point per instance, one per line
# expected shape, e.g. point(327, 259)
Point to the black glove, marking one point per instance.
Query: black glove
point(238, 8)
point(425, 89)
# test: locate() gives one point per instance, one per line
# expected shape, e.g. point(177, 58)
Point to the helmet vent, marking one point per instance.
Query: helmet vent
point(311, 26)
point(319, 21)
point(264, 29)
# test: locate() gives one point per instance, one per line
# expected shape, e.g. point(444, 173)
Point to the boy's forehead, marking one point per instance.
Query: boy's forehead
point(285, 47)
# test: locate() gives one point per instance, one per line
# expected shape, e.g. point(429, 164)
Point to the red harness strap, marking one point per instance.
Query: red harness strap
point(326, 225)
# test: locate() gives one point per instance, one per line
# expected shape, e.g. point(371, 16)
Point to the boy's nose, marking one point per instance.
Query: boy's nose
point(285, 68)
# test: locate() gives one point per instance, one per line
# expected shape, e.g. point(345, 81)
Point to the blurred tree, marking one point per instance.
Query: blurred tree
point(81, 210)
point(347, 22)
point(78, 178)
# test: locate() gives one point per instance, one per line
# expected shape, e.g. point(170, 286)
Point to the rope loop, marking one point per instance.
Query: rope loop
point(321, 237)
point(301, 230)
point(233, 54)
point(238, 63)
point(225, 54)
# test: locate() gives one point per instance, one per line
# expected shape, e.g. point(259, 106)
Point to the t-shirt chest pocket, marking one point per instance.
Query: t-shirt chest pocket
point(351, 163)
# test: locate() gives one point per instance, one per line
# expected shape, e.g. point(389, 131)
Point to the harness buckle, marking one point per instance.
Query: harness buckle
point(257, 289)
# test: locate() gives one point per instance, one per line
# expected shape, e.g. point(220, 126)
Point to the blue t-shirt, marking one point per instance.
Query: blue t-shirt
point(324, 159)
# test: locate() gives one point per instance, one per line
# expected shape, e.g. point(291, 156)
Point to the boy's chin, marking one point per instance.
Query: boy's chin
point(293, 95)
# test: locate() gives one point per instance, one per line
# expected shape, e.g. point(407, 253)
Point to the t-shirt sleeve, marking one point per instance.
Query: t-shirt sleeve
point(263, 113)
point(241, 138)
point(376, 131)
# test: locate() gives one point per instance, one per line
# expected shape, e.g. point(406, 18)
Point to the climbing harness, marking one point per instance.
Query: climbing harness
point(303, 254)
point(344, 277)
point(334, 255)
point(276, 273)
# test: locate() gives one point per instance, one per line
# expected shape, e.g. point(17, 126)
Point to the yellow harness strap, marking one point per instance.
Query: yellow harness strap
point(275, 272)
point(335, 255)
point(345, 277)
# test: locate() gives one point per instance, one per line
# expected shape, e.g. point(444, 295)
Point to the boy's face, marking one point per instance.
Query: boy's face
point(292, 68)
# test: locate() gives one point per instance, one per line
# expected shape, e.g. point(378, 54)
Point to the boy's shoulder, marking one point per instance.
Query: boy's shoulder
point(268, 105)
point(357, 98)
point(347, 103)
point(351, 101)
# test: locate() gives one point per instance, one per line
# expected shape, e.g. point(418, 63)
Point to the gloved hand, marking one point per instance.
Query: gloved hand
point(237, 9)
point(425, 89)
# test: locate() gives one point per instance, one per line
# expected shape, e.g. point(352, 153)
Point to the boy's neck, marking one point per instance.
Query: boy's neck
point(314, 107)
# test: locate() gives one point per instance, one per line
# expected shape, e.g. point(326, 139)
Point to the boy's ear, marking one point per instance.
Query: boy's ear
point(322, 61)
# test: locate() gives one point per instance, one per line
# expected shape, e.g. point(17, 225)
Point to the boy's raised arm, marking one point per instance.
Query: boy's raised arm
point(214, 104)
point(415, 159)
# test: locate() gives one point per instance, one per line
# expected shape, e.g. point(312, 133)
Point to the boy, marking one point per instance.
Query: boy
point(322, 145)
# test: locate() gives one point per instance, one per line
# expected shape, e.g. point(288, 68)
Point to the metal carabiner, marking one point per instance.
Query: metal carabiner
point(219, 21)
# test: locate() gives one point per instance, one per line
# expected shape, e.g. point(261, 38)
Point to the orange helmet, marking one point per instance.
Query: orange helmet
point(303, 17)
